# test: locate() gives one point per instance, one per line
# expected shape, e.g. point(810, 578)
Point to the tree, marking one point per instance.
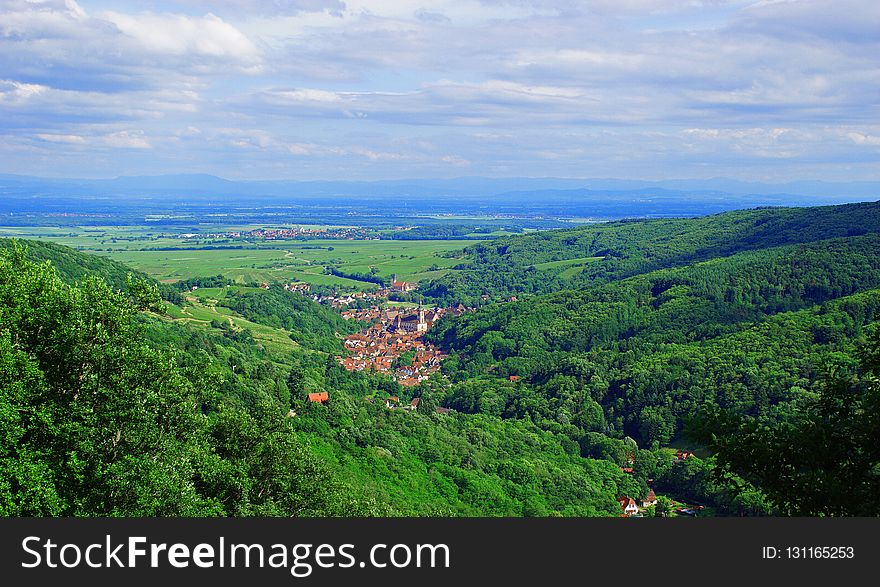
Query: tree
point(106, 424)
point(663, 506)
point(427, 403)
point(656, 425)
point(296, 380)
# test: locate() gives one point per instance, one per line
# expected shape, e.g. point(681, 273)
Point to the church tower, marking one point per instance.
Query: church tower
point(422, 325)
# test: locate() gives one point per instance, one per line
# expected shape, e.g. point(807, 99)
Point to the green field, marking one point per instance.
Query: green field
point(256, 261)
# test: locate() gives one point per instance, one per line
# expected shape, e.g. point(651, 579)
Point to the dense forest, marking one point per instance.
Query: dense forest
point(567, 259)
point(751, 336)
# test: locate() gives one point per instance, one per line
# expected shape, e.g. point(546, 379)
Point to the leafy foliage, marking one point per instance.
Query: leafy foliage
point(96, 421)
point(823, 460)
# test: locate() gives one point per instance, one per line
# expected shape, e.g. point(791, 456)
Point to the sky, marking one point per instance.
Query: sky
point(770, 90)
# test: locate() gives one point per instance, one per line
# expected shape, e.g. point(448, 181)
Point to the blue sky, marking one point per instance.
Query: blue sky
point(770, 90)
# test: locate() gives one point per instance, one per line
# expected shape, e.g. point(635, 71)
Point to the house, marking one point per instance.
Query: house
point(514, 378)
point(650, 500)
point(414, 404)
point(321, 397)
point(628, 505)
point(264, 286)
point(683, 454)
point(392, 402)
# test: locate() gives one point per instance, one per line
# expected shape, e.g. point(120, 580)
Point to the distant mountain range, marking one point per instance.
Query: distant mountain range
point(464, 187)
point(208, 196)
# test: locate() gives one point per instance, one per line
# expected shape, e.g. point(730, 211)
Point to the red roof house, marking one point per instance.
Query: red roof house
point(628, 505)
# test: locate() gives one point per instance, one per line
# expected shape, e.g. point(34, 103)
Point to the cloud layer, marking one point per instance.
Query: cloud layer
point(304, 89)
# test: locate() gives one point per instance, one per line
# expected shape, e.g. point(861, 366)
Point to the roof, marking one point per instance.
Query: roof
point(319, 397)
point(626, 502)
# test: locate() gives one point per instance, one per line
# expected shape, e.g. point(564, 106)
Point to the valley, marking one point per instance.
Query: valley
point(554, 372)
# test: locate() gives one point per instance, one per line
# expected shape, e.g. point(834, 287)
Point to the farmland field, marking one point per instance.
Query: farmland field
point(169, 258)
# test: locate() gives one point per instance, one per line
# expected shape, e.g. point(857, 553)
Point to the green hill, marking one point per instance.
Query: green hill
point(73, 266)
point(528, 264)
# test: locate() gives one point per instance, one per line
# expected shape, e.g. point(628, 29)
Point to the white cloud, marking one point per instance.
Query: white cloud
point(69, 139)
point(17, 92)
point(126, 140)
point(176, 34)
point(519, 86)
point(863, 139)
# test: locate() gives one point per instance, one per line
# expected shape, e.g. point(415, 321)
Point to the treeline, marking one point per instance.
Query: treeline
point(203, 282)
point(365, 277)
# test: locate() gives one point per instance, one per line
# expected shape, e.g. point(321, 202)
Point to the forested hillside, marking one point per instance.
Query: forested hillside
point(96, 421)
point(73, 266)
point(106, 408)
point(744, 331)
point(560, 259)
point(308, 322)
point(743, 335)
point(752, 335)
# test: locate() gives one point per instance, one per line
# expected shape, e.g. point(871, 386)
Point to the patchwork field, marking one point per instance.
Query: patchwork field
point(167, 258)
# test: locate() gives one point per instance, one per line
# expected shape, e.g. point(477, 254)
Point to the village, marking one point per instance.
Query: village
point(291, 233)
point(339, 300)
point(394, 343)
